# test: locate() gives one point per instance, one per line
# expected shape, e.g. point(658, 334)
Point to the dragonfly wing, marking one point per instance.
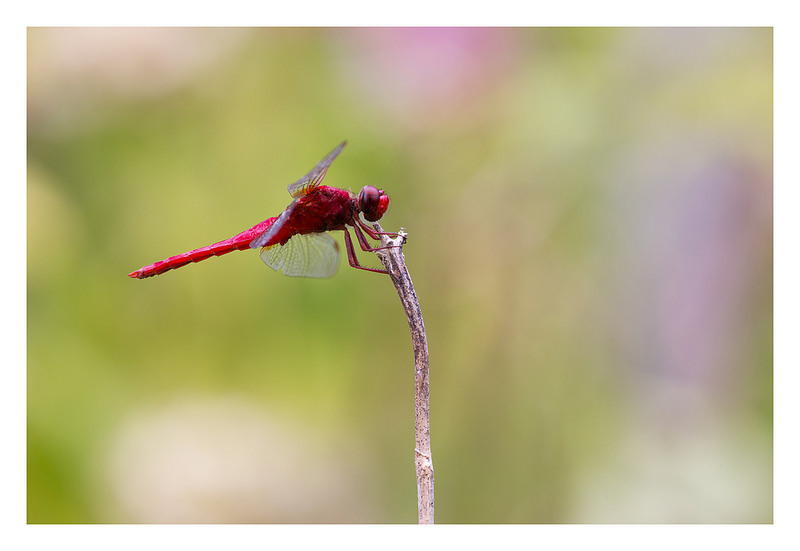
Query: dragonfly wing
point(315, 176)
point(273, 230)
point(304, 255)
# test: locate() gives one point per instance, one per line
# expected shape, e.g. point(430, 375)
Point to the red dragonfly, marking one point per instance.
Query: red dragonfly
point(295, 242)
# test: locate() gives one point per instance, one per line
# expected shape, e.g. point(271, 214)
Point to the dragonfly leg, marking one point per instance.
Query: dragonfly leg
point(371, 232)
point(351, 252)
point(362, 240)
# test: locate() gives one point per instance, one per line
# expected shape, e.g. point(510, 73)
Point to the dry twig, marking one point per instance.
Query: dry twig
point(393, 260)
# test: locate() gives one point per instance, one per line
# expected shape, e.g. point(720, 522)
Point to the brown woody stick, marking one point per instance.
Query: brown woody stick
point(393, 260)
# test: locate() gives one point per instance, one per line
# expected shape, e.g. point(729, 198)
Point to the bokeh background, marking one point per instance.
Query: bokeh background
point(590, 235)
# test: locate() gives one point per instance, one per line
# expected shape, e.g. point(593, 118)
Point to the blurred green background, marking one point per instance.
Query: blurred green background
point(590, 235)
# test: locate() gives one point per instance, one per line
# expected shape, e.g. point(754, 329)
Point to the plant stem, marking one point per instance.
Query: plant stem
point(393, 260)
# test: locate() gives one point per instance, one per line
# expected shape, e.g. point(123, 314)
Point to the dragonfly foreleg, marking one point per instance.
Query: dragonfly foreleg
point(362, 239)
point(351, 252)
point(376, 235)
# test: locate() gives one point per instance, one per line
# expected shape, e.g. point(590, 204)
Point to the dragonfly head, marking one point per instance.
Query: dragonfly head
point(373, 202)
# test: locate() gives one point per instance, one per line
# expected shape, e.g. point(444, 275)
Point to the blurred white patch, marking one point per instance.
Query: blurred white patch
point(225, 460)
point(708, 473)
point(74, 72)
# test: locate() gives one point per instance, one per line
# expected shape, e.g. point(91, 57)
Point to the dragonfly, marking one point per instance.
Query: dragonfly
point(296, 242)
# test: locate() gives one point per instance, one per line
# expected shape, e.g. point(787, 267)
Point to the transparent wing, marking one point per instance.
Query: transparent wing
point(273, 230)
point(306, 255)
point(313, 178)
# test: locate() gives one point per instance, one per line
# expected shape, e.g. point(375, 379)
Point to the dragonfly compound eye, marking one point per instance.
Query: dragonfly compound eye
point(373, 203)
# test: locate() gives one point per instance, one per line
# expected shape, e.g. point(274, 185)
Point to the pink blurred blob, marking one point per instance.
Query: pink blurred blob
point(422, 75)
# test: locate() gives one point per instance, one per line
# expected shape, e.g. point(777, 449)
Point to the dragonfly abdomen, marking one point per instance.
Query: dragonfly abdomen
point(238, 242)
